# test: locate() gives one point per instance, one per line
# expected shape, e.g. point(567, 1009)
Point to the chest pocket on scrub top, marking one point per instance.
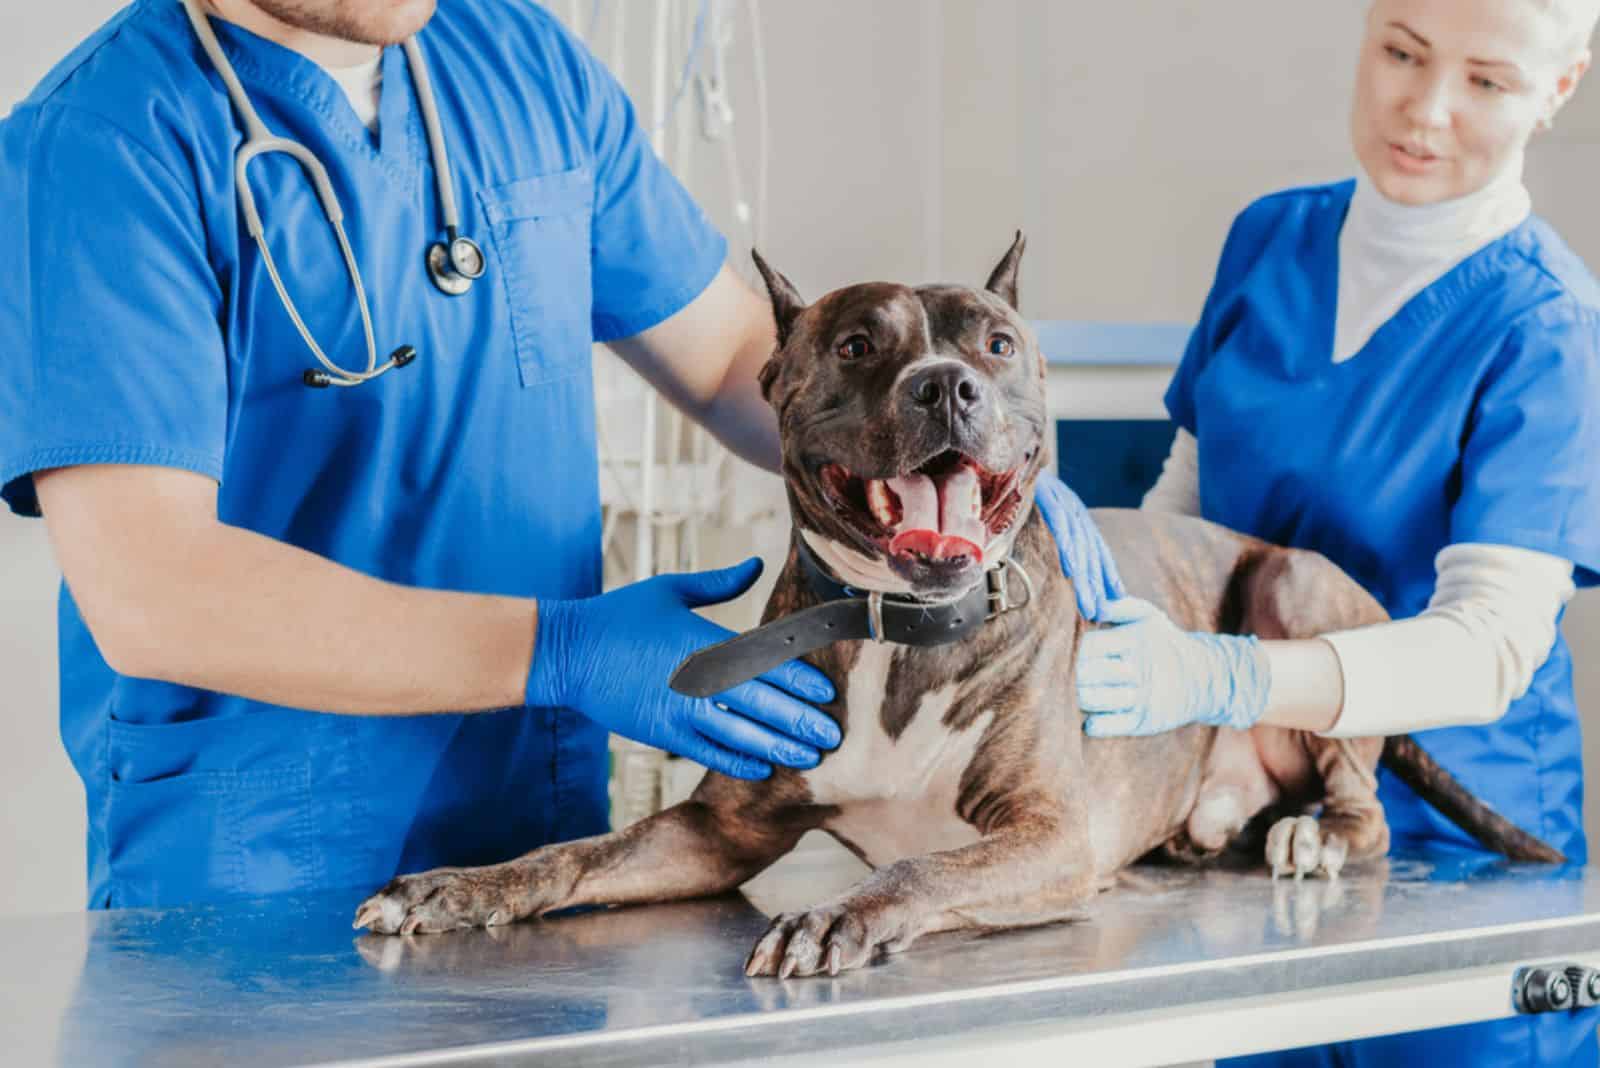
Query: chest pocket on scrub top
point(539, 233)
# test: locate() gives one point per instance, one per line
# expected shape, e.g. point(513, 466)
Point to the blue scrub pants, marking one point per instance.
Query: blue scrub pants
point(1558, 1040)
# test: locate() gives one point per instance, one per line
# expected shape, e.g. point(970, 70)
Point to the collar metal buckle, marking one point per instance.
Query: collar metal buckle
point(1000, 601)
point(875, 616)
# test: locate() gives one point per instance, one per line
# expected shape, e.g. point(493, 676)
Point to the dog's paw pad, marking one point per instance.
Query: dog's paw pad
point(1297, 846)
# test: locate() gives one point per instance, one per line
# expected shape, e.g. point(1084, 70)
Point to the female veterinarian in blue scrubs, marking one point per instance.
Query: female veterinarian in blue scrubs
point(1403, 373)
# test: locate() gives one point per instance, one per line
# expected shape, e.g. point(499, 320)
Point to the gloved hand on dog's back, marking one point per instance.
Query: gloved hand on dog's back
point(609, 657)
point(1085, 557)
point(1145, 675)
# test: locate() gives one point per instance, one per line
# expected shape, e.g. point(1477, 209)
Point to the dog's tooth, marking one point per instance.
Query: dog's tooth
point(881, 502)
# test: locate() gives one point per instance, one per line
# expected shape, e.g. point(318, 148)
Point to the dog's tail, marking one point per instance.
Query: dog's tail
point(1414, 767)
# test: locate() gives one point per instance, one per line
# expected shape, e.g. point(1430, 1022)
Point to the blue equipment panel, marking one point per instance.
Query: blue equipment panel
point(1110, 463)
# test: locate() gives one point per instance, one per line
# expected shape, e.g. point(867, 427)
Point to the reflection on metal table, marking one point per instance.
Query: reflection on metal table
point(1175, 965)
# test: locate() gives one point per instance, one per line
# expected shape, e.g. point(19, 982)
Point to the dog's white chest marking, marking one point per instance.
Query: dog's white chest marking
point(896, 796)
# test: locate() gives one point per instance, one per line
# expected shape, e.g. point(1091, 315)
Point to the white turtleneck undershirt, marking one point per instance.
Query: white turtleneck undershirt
point(1491, 621)
point(1388, 252)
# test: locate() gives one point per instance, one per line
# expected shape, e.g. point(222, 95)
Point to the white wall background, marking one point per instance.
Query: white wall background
point(909, 138)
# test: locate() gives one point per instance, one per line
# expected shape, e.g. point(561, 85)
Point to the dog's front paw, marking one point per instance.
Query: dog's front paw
point(1297, 846)
point(447, 899)
point(829, 938)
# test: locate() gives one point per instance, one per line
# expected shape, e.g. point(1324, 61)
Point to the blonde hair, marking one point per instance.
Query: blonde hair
point(1577, 18)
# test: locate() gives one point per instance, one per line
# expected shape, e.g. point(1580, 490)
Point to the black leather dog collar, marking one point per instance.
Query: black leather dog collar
point(846, 614)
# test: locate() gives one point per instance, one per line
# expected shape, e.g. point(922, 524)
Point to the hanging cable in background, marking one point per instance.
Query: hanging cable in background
point(665, 482)
point(690, 63)
point(758, 61)
point(679, 479)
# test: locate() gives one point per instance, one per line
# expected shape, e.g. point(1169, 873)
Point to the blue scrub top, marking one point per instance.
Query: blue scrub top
point(1473, 415)
point(141, 328)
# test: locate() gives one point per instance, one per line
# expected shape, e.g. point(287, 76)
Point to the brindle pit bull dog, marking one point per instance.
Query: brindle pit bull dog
point(913, 424)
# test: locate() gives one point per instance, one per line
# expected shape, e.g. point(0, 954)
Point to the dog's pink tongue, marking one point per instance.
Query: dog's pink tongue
point(939, 521)
point(961, 508)
point(919, 502)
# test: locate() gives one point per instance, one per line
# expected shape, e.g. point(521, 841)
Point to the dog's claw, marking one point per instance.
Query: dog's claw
point(831, 939)
point(448, 899)
point(766, 956)
point(1296, 846)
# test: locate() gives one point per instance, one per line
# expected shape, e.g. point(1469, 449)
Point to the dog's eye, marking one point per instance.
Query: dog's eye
point(855, 346)
point(1000, 345)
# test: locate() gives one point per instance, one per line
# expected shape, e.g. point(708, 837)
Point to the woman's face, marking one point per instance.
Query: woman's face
point(1449, 91)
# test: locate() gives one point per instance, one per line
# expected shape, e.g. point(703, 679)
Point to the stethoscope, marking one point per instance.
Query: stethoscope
point(453, 264)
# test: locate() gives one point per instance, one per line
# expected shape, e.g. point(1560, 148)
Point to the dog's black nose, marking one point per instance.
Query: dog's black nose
point(949, 384)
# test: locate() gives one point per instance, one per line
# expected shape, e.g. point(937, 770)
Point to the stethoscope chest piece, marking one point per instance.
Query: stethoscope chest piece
point(454, 266)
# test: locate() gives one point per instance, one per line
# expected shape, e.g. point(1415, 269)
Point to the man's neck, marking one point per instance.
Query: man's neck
point(319, 48)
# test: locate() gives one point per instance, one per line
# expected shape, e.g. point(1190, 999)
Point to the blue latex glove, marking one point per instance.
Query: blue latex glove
point(1085, 558)
point(1145, 676)
point(609, 657)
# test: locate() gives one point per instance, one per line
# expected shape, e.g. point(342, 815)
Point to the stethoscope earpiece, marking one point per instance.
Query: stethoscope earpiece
point(322, 380)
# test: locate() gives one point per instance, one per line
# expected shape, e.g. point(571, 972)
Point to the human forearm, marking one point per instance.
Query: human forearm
point(262, 619)
point(1488, 627)
point(1307, 689)
point(740, 418)
point(170, 593)
point(707, 360)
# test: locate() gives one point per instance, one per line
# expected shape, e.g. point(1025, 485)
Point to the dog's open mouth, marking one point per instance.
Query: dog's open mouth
point(944, 512)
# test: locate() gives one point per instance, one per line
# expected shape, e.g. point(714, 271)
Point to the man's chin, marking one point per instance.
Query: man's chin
point(372, 22)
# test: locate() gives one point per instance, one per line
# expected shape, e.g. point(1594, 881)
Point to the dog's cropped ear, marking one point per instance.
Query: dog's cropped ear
point(1003, 279)
point(786, 302)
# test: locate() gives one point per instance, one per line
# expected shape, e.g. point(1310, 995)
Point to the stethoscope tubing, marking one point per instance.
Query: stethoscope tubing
point(467, 264)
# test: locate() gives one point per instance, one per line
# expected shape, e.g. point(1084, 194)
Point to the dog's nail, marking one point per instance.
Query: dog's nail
point(835, 956)
point(496, 918)
point(787, 968)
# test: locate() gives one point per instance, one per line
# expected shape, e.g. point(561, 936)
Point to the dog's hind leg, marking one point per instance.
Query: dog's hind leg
point(693, 849)
point(1298, 595)
point(1350, 825)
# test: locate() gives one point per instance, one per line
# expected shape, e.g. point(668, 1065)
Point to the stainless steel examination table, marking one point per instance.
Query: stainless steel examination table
point(1175, 966)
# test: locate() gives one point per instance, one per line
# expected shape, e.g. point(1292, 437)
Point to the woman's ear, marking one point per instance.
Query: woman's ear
point(1566, 85)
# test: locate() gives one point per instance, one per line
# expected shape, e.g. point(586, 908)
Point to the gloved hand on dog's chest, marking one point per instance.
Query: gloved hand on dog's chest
point(609, 657)
point(1144, 675)
point(1085, 558)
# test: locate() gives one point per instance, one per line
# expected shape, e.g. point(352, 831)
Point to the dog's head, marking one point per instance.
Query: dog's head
point(912, 422)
